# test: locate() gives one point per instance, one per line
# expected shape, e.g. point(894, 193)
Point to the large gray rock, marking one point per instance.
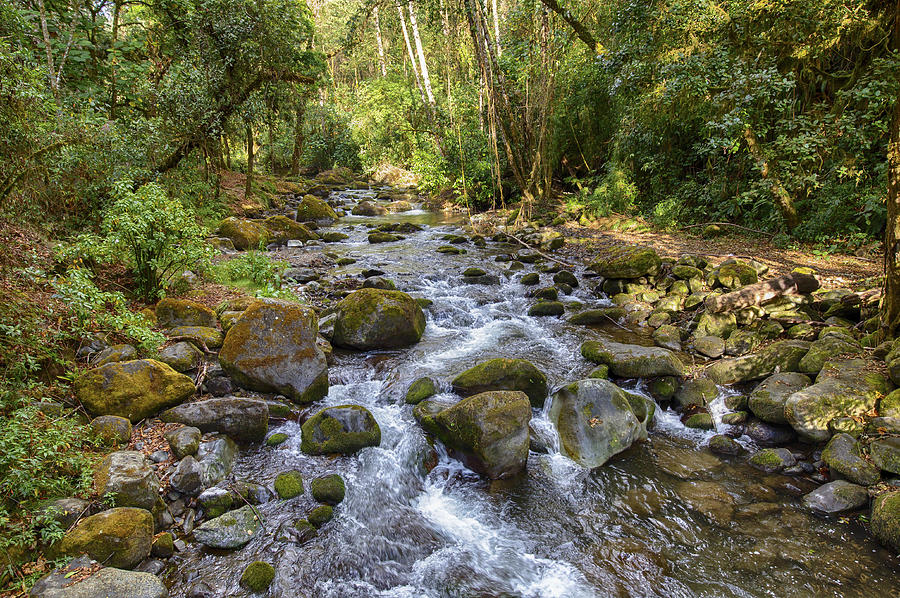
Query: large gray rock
point(216, 457)
point(105, 583)
point(842, 456)
point(127, 475)
point(171, 313)
point(594, 420)
point(633, 361)
point(378, 319)
point(782, 356)
point(844, 388)
point(835, 497)
point(344, 429)
point(625, 261)
point(188, 476)
point(229, 531)
point(886, 453)
point(243, 419)
point(885, 520)
point(503, 374)
point(272, 348)
point(488, 431)
point(824, 349)
point(120, 537)
point(181, 356)
point(768, 398)
point(183, 441)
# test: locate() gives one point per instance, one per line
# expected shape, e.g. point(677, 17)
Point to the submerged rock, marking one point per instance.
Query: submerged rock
point(503, 374)
point(272, 348)
point(378, 319)
point(344, 429)
point(229, 531)
point(633, 361)
point(594, 421)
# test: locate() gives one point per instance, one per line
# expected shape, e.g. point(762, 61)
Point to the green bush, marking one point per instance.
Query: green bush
point(253, 271)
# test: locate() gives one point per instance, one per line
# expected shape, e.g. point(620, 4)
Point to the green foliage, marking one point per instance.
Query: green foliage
point(614, 193)
point(328, 142)
point(253, 271)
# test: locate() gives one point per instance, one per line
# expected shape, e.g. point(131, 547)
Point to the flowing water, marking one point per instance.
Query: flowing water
point(635, 527)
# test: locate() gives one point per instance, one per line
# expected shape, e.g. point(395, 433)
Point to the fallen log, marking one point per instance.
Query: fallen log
point(762, 292)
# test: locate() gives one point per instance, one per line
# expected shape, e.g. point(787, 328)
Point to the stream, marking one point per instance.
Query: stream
point(417, 523)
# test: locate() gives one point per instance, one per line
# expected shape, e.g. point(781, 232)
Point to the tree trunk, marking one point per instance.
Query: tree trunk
point(250, 160)
point(298, 140)
point(576, 25)
point(496, 16)
point(409, 50)
point(890, 309)
point(761, 292)
point(114, 98)
point(381, 60)
point(426, 79)
point(782, 197)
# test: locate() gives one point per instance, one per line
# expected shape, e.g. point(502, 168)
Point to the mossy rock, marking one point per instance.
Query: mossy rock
point(633, 361)
point(469, 272)
point(344, 429)
point(885, 520)
point(890, 405)
point(886, 454)
point(383, 238)
point(181, 312)
point(244, 234)
point(181, 356)
point(321, 515)
point(335, 237)
point(282, 229)
point(451, 250)
point(720, 325)
point(231, 530)
point(258, 576)
point(111, 430)
point(626, 261)
point(114, 353)
point(826, 348)
point(736, 274)
point(530, 279)
point(421, 389)
point(662, 388)
point(768, 398)
point(842, 455)
point(120, 537)
point(503, 374)
point(699, 392)
point(132, 389)
point(601, 372)
point(378, 319)
point(783, 356)
point(276, 439)
point(328, 489)
point(723, 445)
point(772, 460)
point(701, 421)
point(199, 335)
point(313, 209)
point(289, 484)
point(163, 545)
point(546, 309)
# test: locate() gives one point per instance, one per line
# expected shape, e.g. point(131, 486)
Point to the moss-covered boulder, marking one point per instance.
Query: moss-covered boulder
point(183, 441)
point(378, 319)
point(132, 389)
point(700, 421)
point(119, 537)
point(313, 209)
point(594, 421)
point(181, 356)
point(783, 356)
point(885, 453)
point(127, 475)
point(825, 349)
point(105, 583)
point(844, 388)
point(111, 430)
point(244, 234)
point(321, 515)
point(697, 392)
point(720, 325)
point(163, 545)
point(231, 530)
point(282, 229)
point(503, 374)
point(328, 489)
point(594, 317)
point(421, 389)
point(633, 361)
point(288, 484)
point(198, 335)
point(772, 460)
point(736, 274)
point(272, 348)
point(842, 455)
point(488, 431)
point(547, 309)
point(243, 419)
point(258, 576)
point(368, 208)
point(626, 261)
point(182, 312)
point(344, 429)
point(768, 398)
point(277, 439)
point(885, 520)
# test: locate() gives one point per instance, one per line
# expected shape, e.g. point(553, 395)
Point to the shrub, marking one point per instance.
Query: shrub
point(254, 271)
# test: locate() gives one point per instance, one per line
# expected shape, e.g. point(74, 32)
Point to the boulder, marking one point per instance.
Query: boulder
point(181, 356)
point(229, 531)
point(626, 261)
point(132, 389)
point(825, 349)
point(313, 209)
point(667, 337)
point(487, 431)
point(842, 456)
point(368, 208)
point(720, 325)
point(836, 497)
point(328, 489)
point(594, 421)
point(724, 445)
point(216, 457)
point(885, 520)
point(111, 429)
point(783, 356)
point(188, 476)
point(709, 346)
point(885, 453)
point(772, 460)
point(105, 583)
point(171, 313)
point(736, 274)
point(844, 388)
point(378, 319)
point(344, 429)
point(633, 361)
point(697, 391)
point(244, 234)
point(288, 484)
point(503, 374)
point(768, 398)
point(421, 389)
point(113, 354)
point(766, 434)
point(282, 229)
point(128, 476)
point(183, 441)
point(245, 420)
point(272, 348)
point(201, 336)
point(119, 537)
point(593, 317)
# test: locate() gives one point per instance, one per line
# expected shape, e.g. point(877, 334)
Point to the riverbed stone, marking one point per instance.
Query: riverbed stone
point(171, 313)
point(885, 453)
point(344, 429)
point(246, 420)
point(128, 476)
point(328, 489)
point(723, 445)
point(772, 460)
point(825, 349)
point(258, 576)
point(667, 337)
point(719, 324)
point(378, 319)
point(216, 456)
point(593, 317)
point(111, 430)
point(594, 421)
point(842, 455)
point(768, 398)
point(313, 209)
point(421, 389)
point(188, 476)
point(783, 356)
point(114, 353)
point(120, 537)
point(767, 434)
point(503, 374)
point(320, 515)
point(229, 531)
point(709, 499)
point(885, 519)
point(288, 484)
point(625, 261)
point(244, 234)
point(709, 346)
point(697, 391)
point(282, 229)
point(132, 389)
point(181, 356)
point(700, 421)
point(836, 497)
point(547, 309)
point(183, 441)
point(844, 388)
point(272, 348)
point(633, 361)
point(200, 336)
point(105, 583)
point(488, 432)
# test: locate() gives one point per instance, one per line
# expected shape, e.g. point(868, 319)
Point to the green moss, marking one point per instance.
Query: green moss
point(530, 279)
point(547, 308)
point(328, 489)
point(601, 371)
point(289, 484)
point(503, 374)
point(626, 261)
point(420, 390)
point(276, 439)
point(702, 421)
point(281, 228)
point(312, 208)
point(766, 458)
point(245, 234)
point(163, 545)
point(321, 515)
point(325, 432)
point(258, 576)
point(199, 335)
point(378, 319)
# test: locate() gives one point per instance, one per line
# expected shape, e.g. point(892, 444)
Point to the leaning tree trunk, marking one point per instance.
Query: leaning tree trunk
point(426, 79)
point(890, 310)
point(409, 50)
point(381, 61)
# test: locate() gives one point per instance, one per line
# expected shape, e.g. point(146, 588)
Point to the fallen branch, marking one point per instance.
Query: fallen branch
point(540, 253)
point(752, 230)
point(761, 292)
